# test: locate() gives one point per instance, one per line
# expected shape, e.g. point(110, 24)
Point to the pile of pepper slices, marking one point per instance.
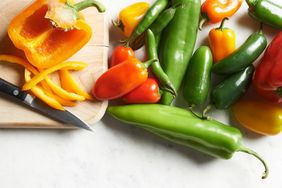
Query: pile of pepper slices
point(168, 29)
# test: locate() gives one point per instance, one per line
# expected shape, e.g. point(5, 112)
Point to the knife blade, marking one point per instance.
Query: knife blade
point(35, 103)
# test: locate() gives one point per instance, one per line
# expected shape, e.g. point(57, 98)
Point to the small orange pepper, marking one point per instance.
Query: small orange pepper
point(130, 16)
point(222, 42)
point(214, 11)
point(260, 116)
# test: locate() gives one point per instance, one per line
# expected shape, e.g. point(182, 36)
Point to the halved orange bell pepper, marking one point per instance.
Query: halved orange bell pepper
point(43, 44)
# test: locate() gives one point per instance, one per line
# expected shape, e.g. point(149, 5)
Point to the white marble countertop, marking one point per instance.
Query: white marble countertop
point(116, 155)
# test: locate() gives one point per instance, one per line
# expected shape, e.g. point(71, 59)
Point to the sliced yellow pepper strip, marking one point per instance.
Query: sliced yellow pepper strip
point(41, 76)
point(62, 101)
point(63, 93)
point(39, 92)
point(69, 84)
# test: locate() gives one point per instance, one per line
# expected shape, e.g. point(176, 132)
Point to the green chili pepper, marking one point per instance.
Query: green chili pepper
point(198, 76)
point(156, 67)
point(231, 89)
point(266, 11)
point(178, 41)
point(243, 56)
point(161, 22)
point(183, 127)
point(150, 16)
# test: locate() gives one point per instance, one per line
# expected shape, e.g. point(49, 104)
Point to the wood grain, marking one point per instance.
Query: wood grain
point(14, 115)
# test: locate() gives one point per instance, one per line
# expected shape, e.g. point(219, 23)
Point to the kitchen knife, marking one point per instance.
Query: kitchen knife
point(35, 103)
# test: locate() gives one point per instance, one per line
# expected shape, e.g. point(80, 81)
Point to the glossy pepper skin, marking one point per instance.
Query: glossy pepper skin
point(183, 127)
point(242, 57)
point(121, 54)
point(214, 11)
point(177, 43)
point(44, 45)
point(146, 93)
point(259, 116)
point(151, 15)
point(130, 16)
point(198, 77)
point(120, 80)
point(266, 11)
point(222, 41)
point(232, 88)
point(267, 79)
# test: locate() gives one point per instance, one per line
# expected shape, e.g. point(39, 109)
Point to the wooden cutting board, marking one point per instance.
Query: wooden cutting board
point(15, 115)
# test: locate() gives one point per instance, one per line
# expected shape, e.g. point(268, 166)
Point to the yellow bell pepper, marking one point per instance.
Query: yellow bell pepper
point(69, 84)
point(39, 92)
point(260, 116)
point(130, 16)
point(222, 42)
point(42, 75)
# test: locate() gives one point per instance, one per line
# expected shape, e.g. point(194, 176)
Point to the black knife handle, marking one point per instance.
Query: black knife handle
point(12, 90)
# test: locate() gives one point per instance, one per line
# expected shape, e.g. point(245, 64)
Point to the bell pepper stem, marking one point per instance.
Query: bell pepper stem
point(253, 153)
point(88, 3)
point(222, 24)
point(204, 19)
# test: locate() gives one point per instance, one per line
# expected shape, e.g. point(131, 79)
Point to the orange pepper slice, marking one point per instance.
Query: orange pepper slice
point(42, 75)
point(69, 84)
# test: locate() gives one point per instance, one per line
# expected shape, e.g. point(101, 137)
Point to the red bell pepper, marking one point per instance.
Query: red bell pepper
point(120, 54)
point(148, 92)
point(267, 79)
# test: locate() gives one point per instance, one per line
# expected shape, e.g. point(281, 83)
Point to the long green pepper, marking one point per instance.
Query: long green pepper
point(156, 67)
point(150, 16)
point(183, 127)
point(178, 41)
point(266, 11)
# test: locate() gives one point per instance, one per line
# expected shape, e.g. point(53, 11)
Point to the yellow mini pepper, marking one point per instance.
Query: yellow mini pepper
point(260, 116)
point(222, 41)
point(130, 16)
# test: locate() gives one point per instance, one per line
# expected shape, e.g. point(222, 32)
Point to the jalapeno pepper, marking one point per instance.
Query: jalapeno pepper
point(177, 43)
point(198, 76)
point(121, 79)
point(146, 93)
point(267, 79)
point(222, 41)
point(150, 16)
point(243, 56)
point(266, 11)
point(232, 88)
point(183, 127)
point(214, 11)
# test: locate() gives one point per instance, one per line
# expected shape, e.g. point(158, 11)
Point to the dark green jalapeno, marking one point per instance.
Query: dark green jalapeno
point(266, 11)
point(178, 41)
point(156, 67)
point(151, 15)
point(232, 88)
point(198, 76)
point(243, 56)
point(184, 127)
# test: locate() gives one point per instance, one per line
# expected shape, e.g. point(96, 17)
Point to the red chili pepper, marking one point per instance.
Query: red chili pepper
point(267, 79)
point(148, 92)
point(121, 79)
point(120, 54)
point(214, 11)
